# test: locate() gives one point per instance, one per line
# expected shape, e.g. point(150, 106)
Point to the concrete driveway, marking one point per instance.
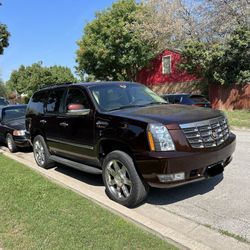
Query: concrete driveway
point(220, 204)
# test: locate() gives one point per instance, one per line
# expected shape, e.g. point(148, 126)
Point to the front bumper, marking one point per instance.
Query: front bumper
point(21, 141)
point(196, 165)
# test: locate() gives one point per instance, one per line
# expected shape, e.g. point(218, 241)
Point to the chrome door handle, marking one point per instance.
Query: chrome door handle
point(64, 124)
point(43, 121)
point(101, 124)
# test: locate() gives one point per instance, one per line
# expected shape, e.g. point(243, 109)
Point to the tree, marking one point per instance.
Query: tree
point(109, 49)
point(4, 37)
point(3, 90)
point(28, 79)
point(222, 63)
point(218, 19)
point(168, 23)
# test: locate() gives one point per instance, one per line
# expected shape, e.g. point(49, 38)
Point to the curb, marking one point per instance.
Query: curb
point(196, 237)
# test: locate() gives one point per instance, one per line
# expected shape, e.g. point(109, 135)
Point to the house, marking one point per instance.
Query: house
point(163, 75)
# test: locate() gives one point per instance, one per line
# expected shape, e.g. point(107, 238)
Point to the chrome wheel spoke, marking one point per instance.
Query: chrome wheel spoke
point(125, 191)
point(112, 182)
point(123, 170)
point(127, 181)
point(119, 194)
point(111, 171)
point(116, 166)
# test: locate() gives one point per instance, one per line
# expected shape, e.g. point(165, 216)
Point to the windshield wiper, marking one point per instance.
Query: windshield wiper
point(126, 106)
point(156, 103)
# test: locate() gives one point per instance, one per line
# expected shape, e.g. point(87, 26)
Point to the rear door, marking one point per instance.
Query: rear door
point(2, 128)
point(51, 119)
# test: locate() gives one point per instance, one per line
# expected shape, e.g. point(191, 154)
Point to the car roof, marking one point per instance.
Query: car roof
point(87, 84)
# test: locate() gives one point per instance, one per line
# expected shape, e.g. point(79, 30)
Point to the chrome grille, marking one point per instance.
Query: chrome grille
point(206, 134)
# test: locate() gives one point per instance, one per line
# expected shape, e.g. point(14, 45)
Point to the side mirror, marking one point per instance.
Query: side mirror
point(77, 109)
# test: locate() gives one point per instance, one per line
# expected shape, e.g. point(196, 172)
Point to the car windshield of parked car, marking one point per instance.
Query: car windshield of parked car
point(111, 97)
point(13, 113)
point(3, 102)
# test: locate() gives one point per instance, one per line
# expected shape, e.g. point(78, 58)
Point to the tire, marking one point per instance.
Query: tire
point(11, 144)
point(41, 153)
point(122, 182)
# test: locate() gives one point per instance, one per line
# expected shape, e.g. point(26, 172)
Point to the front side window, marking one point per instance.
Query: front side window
point(76, 96)
point(166, 65)
point(55, 100)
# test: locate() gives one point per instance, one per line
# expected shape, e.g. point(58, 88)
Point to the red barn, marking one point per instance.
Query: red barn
point(163, 69)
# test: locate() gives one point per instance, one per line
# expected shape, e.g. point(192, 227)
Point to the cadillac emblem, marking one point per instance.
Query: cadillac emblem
point(215, 135)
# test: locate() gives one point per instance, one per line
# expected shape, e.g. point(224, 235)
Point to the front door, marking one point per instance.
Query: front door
point(77, 130)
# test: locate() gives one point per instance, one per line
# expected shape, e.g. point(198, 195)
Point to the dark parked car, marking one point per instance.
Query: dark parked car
point(130, 135)
point(3, 102)
point(12, 126)
point(188, 99)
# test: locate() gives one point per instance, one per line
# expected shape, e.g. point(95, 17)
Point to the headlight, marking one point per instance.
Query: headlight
point(19, 132)
point(159, 138)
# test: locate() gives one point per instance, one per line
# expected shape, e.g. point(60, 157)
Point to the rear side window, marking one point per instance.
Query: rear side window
point(54, 101)
point(37, 103)
point(198, 98)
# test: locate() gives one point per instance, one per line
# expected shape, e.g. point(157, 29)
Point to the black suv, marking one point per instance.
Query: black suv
point(130, 135)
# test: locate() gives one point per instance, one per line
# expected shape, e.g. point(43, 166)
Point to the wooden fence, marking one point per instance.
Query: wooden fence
point(230, 97)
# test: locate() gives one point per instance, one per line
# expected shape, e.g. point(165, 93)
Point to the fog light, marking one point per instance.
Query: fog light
point(171, 177)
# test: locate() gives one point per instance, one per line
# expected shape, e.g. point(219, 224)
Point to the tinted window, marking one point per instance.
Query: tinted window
point(198, 98)
point(14, 113)
point(55, 100)
point(77, 96)
point(37, 103)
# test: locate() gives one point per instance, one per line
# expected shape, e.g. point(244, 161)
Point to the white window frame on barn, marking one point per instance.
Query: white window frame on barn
point(166, 65)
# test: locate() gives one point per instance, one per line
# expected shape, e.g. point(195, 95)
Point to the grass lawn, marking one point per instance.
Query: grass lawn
point(239, 118)
point(38, 214)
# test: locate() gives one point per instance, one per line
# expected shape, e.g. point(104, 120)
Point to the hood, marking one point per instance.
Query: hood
point(17, 124)
point(168, 113)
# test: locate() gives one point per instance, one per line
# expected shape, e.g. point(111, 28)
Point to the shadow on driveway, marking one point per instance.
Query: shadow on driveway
point(91, 179)
point(169, 196)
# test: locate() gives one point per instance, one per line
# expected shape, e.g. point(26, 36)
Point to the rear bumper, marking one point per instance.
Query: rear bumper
point(21, 141)
point(194, 164)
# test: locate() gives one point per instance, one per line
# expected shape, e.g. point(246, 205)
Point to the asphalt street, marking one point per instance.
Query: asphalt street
point(220, 203)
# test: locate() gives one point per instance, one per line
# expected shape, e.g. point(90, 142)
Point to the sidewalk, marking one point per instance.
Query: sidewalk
point(180, 231)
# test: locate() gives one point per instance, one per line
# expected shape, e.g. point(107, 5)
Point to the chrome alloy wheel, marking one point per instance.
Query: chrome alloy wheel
point(9, 144)
point(118, 180)
point(39, 153)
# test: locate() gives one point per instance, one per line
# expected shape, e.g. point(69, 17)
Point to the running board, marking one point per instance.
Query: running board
point(73, 164)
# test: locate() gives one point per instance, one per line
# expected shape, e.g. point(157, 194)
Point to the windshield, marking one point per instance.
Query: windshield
point(118, 96)
point(3, 102)
point(14, 113)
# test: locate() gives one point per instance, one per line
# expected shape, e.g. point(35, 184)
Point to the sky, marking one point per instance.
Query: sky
point(44, 30)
